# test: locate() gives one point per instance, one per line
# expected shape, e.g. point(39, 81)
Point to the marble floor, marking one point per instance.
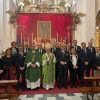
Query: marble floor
point(71, 96)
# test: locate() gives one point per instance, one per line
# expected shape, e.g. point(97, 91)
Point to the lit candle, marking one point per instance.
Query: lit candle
point(21, 38)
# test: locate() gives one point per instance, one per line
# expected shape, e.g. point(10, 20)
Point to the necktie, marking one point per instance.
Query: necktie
point(75, 47)
point(97, 54)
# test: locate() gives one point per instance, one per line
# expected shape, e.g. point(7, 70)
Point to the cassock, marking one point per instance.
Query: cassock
point(48, 63)
point(33, 74)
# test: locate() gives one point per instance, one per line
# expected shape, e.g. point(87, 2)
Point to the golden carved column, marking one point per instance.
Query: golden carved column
point(97, 38)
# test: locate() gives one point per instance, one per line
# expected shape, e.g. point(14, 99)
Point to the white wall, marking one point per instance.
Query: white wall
point(1, 24)
point(7, 32)
point(97, 5)
point(85, 30)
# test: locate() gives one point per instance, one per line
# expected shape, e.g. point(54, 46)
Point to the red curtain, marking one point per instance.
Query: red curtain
point(61, 24)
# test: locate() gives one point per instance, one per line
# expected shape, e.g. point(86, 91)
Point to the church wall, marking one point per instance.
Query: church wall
point(86, 29)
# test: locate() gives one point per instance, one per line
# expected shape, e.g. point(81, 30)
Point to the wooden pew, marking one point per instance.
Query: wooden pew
point(92, 89)
point(7, 94)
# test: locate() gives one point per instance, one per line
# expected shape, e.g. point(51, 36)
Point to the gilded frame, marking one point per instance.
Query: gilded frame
point(44, 30)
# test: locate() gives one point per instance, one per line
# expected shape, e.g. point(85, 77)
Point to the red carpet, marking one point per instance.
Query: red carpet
point(53, 91)
point(43, 91)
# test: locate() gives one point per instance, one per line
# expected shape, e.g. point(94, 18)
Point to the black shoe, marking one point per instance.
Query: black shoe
point(59, 87)
point(36, 89)
point(65, 87)
point(72, 86)
point(75, 86)
point(28, 89)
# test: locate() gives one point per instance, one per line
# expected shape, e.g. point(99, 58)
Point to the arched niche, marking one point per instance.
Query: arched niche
point(97, 38)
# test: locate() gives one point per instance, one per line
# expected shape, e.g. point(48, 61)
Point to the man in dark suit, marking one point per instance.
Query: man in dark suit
point(20, 68)
point(85, 60)
point(26, 48)
point(75, 46)
point(92, 51)
point(96, 59)
point(63, 60)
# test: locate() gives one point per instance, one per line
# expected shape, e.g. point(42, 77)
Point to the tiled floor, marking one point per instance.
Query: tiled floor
point(75, 96)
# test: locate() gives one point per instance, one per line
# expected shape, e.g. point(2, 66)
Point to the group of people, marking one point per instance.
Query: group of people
point(42, 67)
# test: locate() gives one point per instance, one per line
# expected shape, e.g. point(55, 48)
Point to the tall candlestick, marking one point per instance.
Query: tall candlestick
point(32, 38)
point(55, 2)
point(24, 39)
point(57, 37)
point(65, 39)
point(28, 41)
point(68, 38)
point(21, 38)
point(61, 39)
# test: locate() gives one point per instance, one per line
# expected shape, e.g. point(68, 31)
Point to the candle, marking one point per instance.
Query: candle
point(61, 40)
point(24, 39)
point(33, 1)
point(65, 39)
point(57, 37)
point(21, 38)
point(55, 2)
point(28, 41)
point(32, 38)
point(68, 38)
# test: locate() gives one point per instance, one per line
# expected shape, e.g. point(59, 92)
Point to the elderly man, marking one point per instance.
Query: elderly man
point(63, 60)
point(85, 60)
point(33, 71)
point(48, 63)
point(96, 59)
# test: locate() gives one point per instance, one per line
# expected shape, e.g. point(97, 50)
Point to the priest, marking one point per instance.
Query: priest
point(33, 72)
point(48, 63)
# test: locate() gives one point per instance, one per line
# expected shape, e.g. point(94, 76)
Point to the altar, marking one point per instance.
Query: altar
point(36, 27)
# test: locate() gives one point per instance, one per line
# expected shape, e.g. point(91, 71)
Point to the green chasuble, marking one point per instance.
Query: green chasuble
point(48, 71)
point(32, 74)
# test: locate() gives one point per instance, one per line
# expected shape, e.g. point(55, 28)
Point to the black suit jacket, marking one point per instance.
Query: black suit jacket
point(85, 56)
point(19, 60)
point(1, 64)
point(2, 68)
point(96, 61)
point(55, 51)
point(91, 51)
point(63, 57)
point(78, 48)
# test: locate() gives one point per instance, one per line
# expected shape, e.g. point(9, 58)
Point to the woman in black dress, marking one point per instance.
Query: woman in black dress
point(8, 65)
